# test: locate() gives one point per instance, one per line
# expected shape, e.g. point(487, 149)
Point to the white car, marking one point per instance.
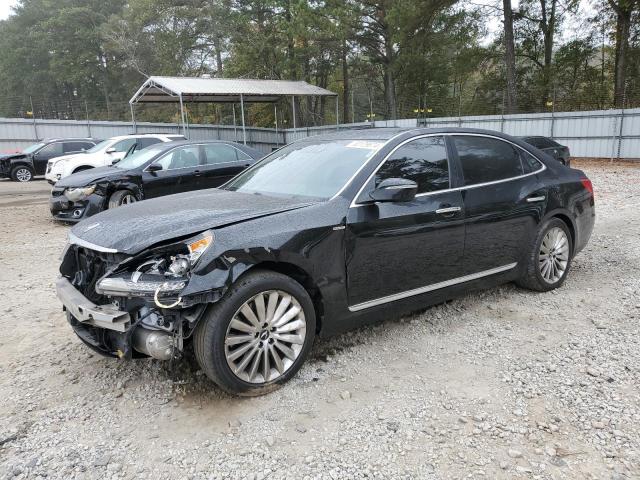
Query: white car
point(103, 154)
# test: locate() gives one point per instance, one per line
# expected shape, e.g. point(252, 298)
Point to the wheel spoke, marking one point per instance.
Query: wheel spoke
point(271, 305)
point(276, 359)
point(247, 358)
point(260, 308)
point(249, 315)
point(291, 313)
point(284, 304)
point(297, 339)
point(238, 339)
point(266, 365)
point(254, 367)
point(291, 326)
point(241, 326)
point(237, 353)
point(288, 352)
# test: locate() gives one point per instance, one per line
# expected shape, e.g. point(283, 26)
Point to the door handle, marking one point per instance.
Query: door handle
point(537, 198)
point(444, 211)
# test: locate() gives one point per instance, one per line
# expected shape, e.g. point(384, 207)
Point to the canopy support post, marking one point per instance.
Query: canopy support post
point(275, 115)
point(235, 126)
point(293, 104)
point(133, 119)
point(337, 112)
point(244, 131)
point(184, 126)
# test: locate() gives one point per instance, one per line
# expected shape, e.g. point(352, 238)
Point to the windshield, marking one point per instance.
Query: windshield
point(316, 170)
point(101, 146)
point(33, 148)
point(139, 158)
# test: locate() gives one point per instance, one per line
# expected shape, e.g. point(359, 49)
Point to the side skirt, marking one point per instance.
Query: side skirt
point(430, 288)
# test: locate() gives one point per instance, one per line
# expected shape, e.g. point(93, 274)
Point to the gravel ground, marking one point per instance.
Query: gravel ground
point(504, 383)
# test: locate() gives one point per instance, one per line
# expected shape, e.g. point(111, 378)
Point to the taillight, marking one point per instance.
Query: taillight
point(586, 183)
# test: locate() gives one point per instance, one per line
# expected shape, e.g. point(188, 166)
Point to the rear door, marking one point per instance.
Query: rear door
point(393, 249)
point(222, 162)
point(503, 201)
point(46, 153)
point(179, 172)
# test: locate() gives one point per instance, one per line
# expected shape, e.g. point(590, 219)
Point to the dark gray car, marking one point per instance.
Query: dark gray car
point(550, 147)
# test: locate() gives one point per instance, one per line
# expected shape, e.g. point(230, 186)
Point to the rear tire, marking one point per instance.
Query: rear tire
point(81, 169)
point(121, 197)
point(22, 173)
point(282, 311)
point(549, 257)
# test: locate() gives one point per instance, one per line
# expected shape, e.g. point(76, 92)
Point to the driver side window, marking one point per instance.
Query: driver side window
point(423, 160)
point(124, 145)
point(183, 157)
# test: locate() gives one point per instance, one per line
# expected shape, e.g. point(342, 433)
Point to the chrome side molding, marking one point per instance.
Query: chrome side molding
point(430, 288)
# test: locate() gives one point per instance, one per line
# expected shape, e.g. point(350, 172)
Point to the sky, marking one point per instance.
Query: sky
point(5, 8)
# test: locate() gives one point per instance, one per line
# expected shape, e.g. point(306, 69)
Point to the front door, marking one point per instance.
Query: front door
point(180, 172)
point(393, 249)
point(222, 162)
point(502, 198)
point(46, 153)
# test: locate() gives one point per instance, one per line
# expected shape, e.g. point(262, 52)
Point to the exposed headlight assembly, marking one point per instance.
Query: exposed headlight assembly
point(163, 275)
point(81, 193)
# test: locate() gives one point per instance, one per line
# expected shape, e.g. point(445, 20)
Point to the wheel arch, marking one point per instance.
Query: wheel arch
point(81, 168)
point(301, 276)
point(565, 217)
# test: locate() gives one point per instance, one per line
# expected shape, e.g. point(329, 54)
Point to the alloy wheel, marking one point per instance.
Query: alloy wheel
point(23, 175)
point(554, 255)
point(127, 199)
point(265, 336)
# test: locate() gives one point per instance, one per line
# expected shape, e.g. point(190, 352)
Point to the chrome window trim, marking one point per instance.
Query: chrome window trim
point(249, 157)
point(430, 288)
point(465, 187)
point(91, 246)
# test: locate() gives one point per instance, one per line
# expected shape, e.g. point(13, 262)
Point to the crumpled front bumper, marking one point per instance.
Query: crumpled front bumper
point(85, 311)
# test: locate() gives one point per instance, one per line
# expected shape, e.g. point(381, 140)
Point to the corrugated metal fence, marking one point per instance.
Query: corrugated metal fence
point(602, 133)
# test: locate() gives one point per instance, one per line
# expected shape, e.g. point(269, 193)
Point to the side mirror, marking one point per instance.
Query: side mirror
point(394, 190)
point(114, 161)
point(154, 167)
point(111, 150)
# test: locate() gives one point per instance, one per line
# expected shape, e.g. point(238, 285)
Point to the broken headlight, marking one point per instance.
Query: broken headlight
point(163, 274)
point(81, 193)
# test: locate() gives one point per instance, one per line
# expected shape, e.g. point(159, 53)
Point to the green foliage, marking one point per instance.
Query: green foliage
point(74, 58)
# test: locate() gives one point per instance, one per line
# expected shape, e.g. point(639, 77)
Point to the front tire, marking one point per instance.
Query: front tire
point(121, 197)
point(549, 257)
point(22, 173)
point(258, 335)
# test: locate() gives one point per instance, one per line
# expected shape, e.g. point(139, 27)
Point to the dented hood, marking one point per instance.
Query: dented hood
point(133, 228)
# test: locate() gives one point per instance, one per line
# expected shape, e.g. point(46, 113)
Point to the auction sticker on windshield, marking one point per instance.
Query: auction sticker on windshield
point(368, 145)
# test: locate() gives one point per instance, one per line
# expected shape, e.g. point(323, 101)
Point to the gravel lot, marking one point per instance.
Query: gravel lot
point(505, 383)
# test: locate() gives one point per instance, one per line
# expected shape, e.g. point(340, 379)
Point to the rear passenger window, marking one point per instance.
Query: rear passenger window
point(486, 159)
point(529, 162)
point(423, 160)
point(76, 146)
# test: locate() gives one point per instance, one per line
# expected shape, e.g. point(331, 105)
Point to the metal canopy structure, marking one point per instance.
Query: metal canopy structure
point(223, 90)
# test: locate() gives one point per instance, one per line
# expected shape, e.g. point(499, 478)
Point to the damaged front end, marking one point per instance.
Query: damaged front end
point(131, 306)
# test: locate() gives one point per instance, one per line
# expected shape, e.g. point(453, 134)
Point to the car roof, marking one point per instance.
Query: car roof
point(169, 145)
point(389, 133)
point(70, 139)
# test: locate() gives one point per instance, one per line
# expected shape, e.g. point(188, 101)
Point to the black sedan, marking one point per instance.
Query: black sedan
point(320, 236)
point(551, 147)
point(160, 169)
point(32, 161)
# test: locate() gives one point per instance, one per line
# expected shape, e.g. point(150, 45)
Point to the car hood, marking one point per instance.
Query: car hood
point(14, 156)
point(66, 157)
point(90, 176)
point(133, 228)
